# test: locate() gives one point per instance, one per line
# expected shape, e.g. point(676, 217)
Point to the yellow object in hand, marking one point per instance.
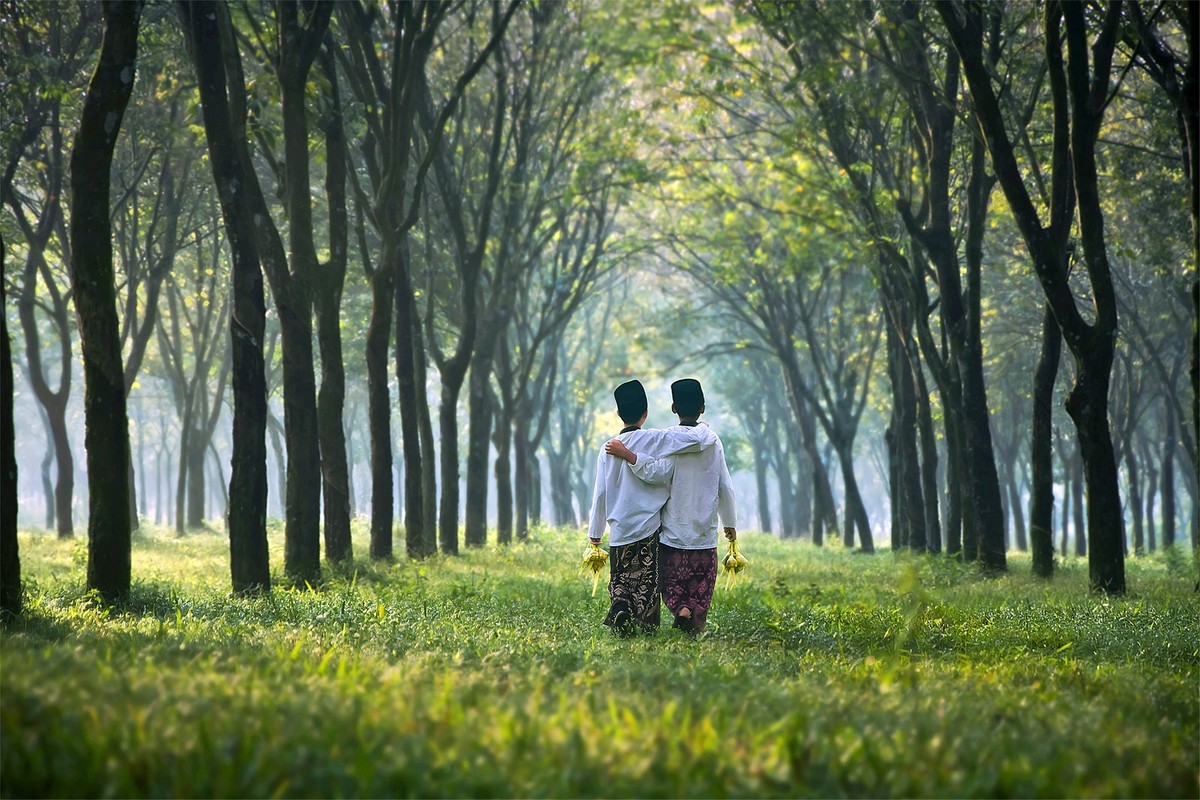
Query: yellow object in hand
point(594, 560)
point(734, 562)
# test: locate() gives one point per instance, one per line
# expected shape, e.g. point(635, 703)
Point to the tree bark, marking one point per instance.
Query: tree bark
point(1167, 473)
point(478, 436)
point(410, 396)
point(1079, 92)
point(331, 280)
point(502, 437)
point(247, 515)
point(379, 409)
point(1041, 491)
point(10, 557)
point(107, 428)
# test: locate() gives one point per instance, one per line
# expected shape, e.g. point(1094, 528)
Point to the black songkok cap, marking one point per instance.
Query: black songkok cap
point(631, 400)
point(687, 396)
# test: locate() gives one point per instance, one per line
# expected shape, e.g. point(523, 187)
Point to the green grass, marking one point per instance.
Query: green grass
point(823, 673)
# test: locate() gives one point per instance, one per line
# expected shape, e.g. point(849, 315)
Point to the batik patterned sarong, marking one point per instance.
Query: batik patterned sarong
point(633, 585)
point(688, 579)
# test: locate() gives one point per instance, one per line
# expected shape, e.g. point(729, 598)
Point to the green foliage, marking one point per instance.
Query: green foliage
point(823, 673)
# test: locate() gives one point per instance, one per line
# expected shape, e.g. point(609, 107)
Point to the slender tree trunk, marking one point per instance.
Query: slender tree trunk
point(760, 490)
point(929, 463)
point(908, 468)
point(197, 447)
point(47, 461)
point(410, 396)
point(448, 428)
point(247, 516)
point(535, 491)
point(181, 484)
point(10, 557)
point(478, 434)
point(427, 545)
point(1151, 501)
point(1018, 516)
point(92, 278)
point(1167, 471)
point(1079, 520)
point(1041, 491)
point(1133, 473)
point(502, 436)
point(379, 408)
point(275, 428)
point(331, 279)
point(64, 484)
point(563, 513)
point(856, 512)
point(899, 526)
point(1068, 467)
point(521, 479)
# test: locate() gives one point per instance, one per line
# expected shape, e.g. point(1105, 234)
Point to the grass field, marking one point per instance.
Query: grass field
point(822, 673)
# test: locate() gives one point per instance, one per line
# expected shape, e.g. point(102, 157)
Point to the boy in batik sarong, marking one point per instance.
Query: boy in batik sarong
point(701, 491)
point(631, 507)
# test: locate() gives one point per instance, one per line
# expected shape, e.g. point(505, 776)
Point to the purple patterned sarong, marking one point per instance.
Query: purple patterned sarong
point(633, 586)
point(688, 579)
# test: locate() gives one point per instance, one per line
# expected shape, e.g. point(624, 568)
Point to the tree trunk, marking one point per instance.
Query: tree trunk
point(929, 463)
point(448, 428)
point(1135, 500)
point(181, 483)
point(302, 509)
point(478, 434)
point(856, 512)
point(1041, 490)
point(955, 521)
point(196, 450)
point(59, 513)
point(47, 484)
point(535, 491)
point(92, 277)
point(1069, 504)
point(247, 516)
point(502, 435)
point(1151, 500)
point(1077, 510)
point(760, 490)
point(410, 396)
point(521, 478)
point(64, 484)
point(379, 409)
point(10, 557)
point(1167, 471)
point(1018, 516)
point(907, 494)
point(331, 398)
point(563, 513)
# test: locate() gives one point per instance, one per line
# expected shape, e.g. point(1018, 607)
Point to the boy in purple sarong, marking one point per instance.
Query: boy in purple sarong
point(631, 509)
point(701, 491)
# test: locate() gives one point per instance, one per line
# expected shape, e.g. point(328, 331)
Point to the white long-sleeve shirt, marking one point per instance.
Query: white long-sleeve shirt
point(701, 491)
point(632, 508)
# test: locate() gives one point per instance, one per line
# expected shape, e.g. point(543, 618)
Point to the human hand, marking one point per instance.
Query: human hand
point(731, 534)
point(615, 447)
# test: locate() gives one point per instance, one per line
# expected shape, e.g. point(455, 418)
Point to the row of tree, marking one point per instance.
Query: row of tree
point(464, 170)
point(486, 197)
point(836, 206)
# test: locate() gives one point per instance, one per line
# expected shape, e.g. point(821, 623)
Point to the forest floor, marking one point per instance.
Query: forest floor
point(822, 673)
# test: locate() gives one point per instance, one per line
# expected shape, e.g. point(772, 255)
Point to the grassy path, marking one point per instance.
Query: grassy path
point(823, 673)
